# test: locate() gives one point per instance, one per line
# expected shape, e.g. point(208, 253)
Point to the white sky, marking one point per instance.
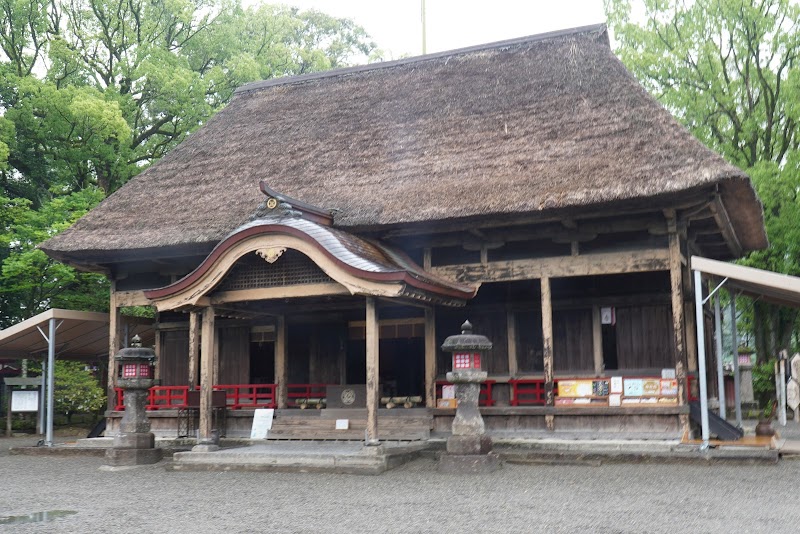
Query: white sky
point(395, 25)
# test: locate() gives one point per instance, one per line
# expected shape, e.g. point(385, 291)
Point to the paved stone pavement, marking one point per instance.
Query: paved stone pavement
point(413, 498)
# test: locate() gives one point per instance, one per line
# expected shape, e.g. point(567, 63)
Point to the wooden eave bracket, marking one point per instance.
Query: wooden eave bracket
point(724, 222)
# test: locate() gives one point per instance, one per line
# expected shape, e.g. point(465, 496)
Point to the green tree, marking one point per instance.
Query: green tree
point(94, 91)
point(31, 281)
point(728, 69)
point(77, 390)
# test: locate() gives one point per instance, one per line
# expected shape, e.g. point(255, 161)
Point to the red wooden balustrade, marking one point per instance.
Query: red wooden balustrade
point(296, 392)
point(485, 397)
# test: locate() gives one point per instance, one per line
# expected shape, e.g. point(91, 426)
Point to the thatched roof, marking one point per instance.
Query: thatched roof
point(528, 126)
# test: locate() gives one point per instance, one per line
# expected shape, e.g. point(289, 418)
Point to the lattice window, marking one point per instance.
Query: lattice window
point(291, 268)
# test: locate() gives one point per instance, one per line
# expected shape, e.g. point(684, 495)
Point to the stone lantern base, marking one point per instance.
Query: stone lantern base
point(469, 454)
point(128, 457)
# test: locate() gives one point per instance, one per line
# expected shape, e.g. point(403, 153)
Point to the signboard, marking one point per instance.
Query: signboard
point(574, 388)
point(651, 387)
point(668, 373)
point(262, 423)
point(24, 401)
point(795, 365)
point(616, 384)
point(669, 388)
point(449, 391)
point(342, 424)
point(607, 315)
point(633, 387)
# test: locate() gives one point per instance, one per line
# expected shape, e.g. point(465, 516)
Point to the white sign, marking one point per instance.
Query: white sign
point(449, 392)
point(607, 315)
point(793, 394)
point(24, 401)
point(668, 374)
point(342, 424)
point(262, 423)
point(616, 384)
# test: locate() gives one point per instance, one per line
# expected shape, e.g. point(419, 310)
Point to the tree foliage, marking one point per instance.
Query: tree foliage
point(94, 91)
point(728, 69)
point(77, 390)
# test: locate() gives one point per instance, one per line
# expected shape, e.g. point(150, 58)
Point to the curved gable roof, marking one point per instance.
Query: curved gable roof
point(521, 127)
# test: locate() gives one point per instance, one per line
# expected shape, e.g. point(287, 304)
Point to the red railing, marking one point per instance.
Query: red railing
point(249, 396)
point(159, 398)
point(295, 392)
point(485, 397)
point(237, 396)
point(527, 391)
point(689, 390)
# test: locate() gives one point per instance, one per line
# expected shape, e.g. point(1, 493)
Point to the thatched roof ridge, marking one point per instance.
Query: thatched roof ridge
point(524, 127)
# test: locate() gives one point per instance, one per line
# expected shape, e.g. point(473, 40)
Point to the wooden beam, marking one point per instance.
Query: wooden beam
point(207, 375)
point(511, 330)
point(547, 341)
point(558, 267)
point(597, 341)
point(282, 292)
point(114, 344)
point(725, 226)
point(281, 361)
point(194, 349)
point(132, 298)
point(430, 357)
point(373, 379)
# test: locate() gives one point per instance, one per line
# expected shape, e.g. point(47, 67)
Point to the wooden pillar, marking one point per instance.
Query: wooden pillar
point(511, 330)
point(547, 349)
point(194, 349)
point(157, 349)
point(676, 286)
point(430, 357)
point(281, 361)
point(114, 345)
point(207, 374)
point(373, 380)
point(597, 341)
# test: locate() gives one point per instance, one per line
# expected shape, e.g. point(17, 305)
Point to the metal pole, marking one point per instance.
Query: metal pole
point(51, 382)
point(42, 402)
point(720, 371)
point(782, 390)
point(701, 357)
point(737, 399)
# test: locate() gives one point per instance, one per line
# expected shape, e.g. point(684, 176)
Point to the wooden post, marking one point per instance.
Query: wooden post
point(547, 349)
point(194, 349)
point(430, 358)
point(597, 341)
point(157, 350)
point(373, 381)
point(114, 344)
point(511, 329)
point(676, 285)
point(207, 375)
point(281, 361)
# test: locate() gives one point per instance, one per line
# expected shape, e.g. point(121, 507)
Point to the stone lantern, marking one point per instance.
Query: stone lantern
point(468, 448)
point(134, 444)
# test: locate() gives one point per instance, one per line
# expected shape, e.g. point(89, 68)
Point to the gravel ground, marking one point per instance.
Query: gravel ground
point(413, 498)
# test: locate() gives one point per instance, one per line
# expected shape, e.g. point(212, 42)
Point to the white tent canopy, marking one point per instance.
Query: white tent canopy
point(764, 285)
point(68, 334)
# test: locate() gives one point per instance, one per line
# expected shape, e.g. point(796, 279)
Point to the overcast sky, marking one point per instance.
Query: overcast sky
point(395, 25)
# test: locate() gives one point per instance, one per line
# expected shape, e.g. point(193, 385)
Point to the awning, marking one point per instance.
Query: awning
point(772, 287)
point(79, 335)
point(759, 284)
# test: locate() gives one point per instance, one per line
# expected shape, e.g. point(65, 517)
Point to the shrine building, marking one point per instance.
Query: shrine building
point(314, 243)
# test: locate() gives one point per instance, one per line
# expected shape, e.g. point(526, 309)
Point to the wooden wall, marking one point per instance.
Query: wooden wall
point(234, 355)
point(174, 358)
point(572, 340)
point(644, 337)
